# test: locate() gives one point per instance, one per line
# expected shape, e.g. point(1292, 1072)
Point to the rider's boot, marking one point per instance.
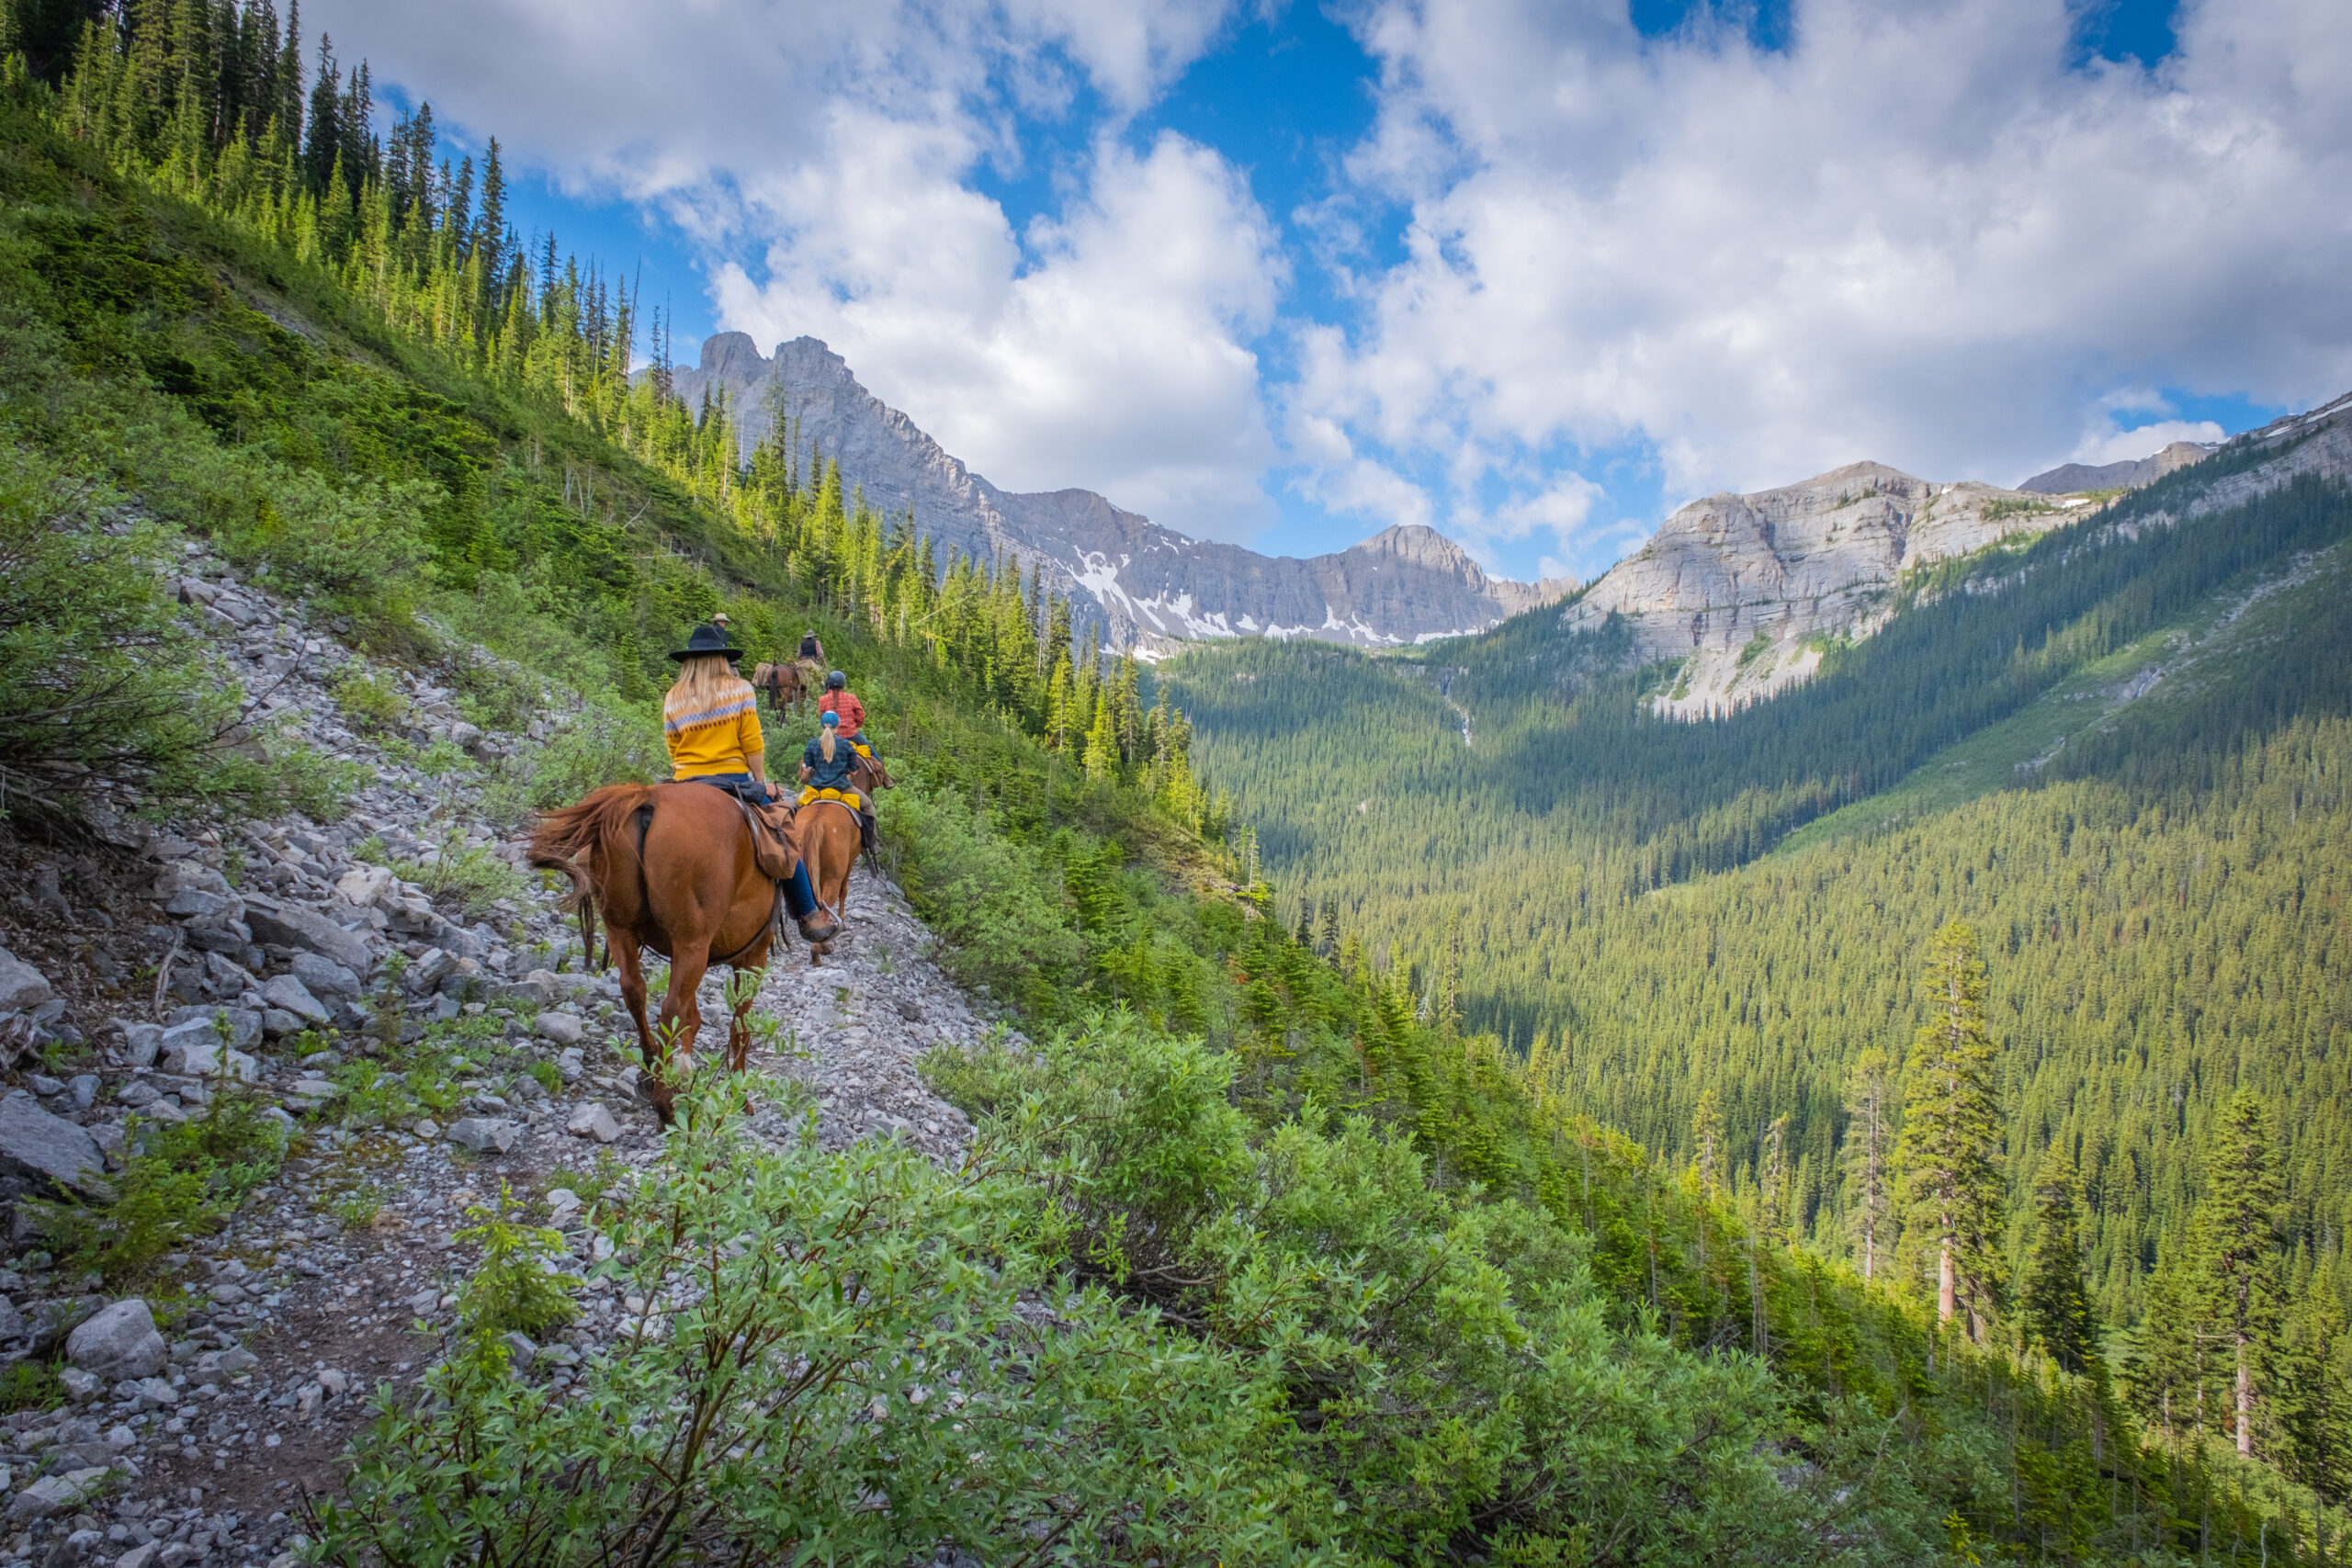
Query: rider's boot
point(800, 903)
point(865, 831)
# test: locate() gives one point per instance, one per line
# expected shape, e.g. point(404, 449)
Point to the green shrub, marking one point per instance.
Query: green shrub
point(994, 904)
point(30, 1385)
point(606, 743)
point(100, 682)
point(511, 1288)
point(830, 1357)
point(184, 1180)
point(1453, 1364)
point(372, 701)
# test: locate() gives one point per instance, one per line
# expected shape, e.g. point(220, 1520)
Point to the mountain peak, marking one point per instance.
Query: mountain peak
point(1152, 588)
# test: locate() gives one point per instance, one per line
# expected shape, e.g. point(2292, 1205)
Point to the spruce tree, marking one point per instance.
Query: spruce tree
point(1707, 1141)
point(2053, 1307)
point(1951, 1129)
point(1870, 1130)
point(2238, 1250)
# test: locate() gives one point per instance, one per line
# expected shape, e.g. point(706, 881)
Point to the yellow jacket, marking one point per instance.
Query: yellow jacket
point(719, 739)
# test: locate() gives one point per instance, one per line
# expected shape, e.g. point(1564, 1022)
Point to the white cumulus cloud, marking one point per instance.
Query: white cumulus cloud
point(1918, 235)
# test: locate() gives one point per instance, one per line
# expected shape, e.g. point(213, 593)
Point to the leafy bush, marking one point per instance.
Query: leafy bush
point(99, 681)
point(1452, 1365)
point(186, 1180)
point(993, 903)
point(830, 1354)
point(372, 701)
point(511, 1288)
point(606, 743)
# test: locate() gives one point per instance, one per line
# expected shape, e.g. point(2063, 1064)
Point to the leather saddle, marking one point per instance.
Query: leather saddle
point(773, 845)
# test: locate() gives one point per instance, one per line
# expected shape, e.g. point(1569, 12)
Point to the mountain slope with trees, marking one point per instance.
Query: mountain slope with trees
point(1329, 1276)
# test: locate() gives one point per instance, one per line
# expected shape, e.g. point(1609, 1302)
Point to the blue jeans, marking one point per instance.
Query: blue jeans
point(800, 898)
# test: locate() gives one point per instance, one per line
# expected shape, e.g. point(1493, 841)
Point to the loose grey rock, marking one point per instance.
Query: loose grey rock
point(426, 973)
point(292, 926)
point(289, 993)
point(484, 1135)
point(520, 1351)
point(193, 1050)
point(22, 987)
point(593, 1121)
point(324, 978)
point(79, 1384)
point(119, 1343)
point(364, 887)
point(570, 1064)
point(562, 1028)
point(84, 1088)
point(202, 904)
point(43, 1147)
point(55, 1494)
point(140, 1042)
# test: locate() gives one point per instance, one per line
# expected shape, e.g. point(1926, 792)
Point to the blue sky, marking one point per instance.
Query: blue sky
point(1533, 274)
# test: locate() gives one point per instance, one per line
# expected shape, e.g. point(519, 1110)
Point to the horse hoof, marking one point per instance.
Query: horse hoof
point(817, 934)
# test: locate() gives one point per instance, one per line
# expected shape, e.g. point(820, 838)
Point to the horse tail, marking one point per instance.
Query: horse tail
point(577, 840)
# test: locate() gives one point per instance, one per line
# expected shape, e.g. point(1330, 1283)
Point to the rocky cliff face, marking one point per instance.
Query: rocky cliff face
point(1152, 586)
point(2072, 479)
point(1750, 591)
point(1753, 589)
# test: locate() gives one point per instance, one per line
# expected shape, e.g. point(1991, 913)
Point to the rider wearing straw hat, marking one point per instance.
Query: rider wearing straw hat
point(710, 722)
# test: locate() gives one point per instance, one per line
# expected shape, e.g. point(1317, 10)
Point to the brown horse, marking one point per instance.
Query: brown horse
point(671, 867)
point(783, 683)
point(829, 840)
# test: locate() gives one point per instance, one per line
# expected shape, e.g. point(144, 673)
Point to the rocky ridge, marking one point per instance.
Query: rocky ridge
point(283, 960)
point(1151, 587)
point(1749, 592)
point(2074, 478)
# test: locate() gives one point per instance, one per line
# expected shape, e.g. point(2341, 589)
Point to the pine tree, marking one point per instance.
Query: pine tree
point(1327, 933)
point(2237, 1248)
point(1951, 1129)
point(1870, 1128)
point(2315, 1391)
point(1773, 1179)
point(1707, 1141)
point(2053, 1307)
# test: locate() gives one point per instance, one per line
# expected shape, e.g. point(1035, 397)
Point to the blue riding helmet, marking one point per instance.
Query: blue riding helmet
point(830, 721)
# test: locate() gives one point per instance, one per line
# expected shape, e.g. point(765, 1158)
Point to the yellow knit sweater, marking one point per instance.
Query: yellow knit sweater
point(719, 739)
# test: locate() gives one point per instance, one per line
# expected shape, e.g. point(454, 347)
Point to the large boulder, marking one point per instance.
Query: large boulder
point(193, 1050)
point(289, 993)
point(291, 925)
point(120, 1342)
point(22, 987)
point(46, 1148)
point(57, 1494)
point(364, 886)
point(485, 1134)
point(324, 978)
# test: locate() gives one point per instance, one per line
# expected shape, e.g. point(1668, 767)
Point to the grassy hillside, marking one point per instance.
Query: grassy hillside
point(1328, 1280)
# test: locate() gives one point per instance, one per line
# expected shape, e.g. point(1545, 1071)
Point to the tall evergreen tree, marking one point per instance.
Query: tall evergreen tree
point(1951, 1132)
point(1870, 1131)
point(1707, 1140)
point(2054, 1308)
point(2238, 1250)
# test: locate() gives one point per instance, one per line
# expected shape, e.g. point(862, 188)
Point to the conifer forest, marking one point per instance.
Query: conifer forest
point(1907, 1120)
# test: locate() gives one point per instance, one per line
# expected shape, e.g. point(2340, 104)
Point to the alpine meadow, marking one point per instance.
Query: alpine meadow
point(1441, 1105)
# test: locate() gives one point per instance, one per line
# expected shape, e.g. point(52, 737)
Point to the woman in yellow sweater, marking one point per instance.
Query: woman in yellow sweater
point(710, 721)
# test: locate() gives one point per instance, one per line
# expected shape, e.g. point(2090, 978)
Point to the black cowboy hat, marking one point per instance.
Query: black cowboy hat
point(707, 639)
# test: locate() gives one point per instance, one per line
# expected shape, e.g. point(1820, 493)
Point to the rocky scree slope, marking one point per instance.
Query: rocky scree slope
point(415, 1059)
point(1750, 591)
point(1149, 586)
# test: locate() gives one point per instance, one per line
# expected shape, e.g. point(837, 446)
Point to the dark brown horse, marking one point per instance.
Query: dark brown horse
point(783, 683)
point(829, 840)
point(671, 867)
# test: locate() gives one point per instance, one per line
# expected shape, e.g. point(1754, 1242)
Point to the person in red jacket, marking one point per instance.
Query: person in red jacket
point(839, 699)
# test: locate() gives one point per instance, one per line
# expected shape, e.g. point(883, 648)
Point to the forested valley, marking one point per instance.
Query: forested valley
point(1430, 1153)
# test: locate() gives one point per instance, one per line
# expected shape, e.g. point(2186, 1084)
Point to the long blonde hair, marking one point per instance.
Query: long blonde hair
point(706, 691)
point(825, 738)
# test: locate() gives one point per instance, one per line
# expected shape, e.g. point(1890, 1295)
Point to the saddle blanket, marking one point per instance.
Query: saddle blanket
point(849, 799)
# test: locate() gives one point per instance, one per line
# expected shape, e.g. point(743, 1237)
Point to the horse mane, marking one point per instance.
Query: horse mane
point(575, 840)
